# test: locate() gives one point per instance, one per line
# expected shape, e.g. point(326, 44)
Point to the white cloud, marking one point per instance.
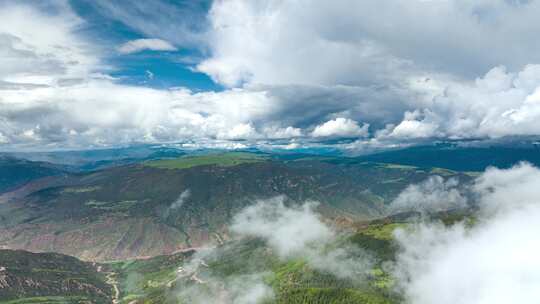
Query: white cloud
point(3, 139)
point(340, 127)
point(503, 190)
point(499, 104)
point(240, 131)
point(289, 230)
point(274, 132)
point(276, 43)
point(411, 127)
point(493, 262)
point(39, 49)
point(299, 232)
point(283, 43)
point(433, 194)
point(139, 45)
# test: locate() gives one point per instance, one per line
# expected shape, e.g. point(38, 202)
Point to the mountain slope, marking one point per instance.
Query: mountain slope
point(233, 267)
point(50, 278)
point(146, 209)
point(17, 172)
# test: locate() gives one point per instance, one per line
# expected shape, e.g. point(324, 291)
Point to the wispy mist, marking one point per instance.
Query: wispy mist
point(299, 232)
point(434, 194)
point(177, 204)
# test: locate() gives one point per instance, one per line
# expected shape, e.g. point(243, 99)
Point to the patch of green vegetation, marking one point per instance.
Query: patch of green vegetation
point(381, 280)
point(80, 189)
point(51, 278)
point(442, 172)
point(295, 282)
point(397, 166)
point(221, 160)
point(49, 300)
point(148, 278)
point(242, 256)
point(112, 206)
point(449, 218)
point(332, 296)
point(382, 231)
point(377, 238)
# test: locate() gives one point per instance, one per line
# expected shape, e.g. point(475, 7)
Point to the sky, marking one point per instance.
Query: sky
point(360, 75)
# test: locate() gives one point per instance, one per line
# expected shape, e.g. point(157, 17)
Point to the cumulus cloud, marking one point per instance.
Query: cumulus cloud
point(340, 127)
point(444, 99)
point(299, 232)
point(412, 127)
point(274, 132)
point(240, 131)
point(278, 42)
point(101, 112)
point(433, 194)
point(492, 262)
point(54, 94)
point(499, 104)
point(138, 45)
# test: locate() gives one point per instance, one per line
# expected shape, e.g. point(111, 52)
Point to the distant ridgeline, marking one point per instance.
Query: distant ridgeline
point(458, 158)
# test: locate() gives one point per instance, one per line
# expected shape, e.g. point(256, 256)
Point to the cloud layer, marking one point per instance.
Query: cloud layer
point(289, 71)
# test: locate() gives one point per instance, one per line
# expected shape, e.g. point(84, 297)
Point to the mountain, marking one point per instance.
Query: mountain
point(15, 172)
point(161, 206)
point(50, 278)
point(162, 230)
point(89, 160)
point(459, 157)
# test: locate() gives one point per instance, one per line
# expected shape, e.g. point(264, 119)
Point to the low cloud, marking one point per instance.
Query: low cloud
point(504, 190)
point(299, 232)
point(198, 284)
point(289, 230)
point(139, 45)
point(495, 261)
point(432, 195)
point(241, 289)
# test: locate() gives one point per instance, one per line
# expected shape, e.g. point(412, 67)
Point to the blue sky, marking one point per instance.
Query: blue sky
point(168, 69)
point(354, 75)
